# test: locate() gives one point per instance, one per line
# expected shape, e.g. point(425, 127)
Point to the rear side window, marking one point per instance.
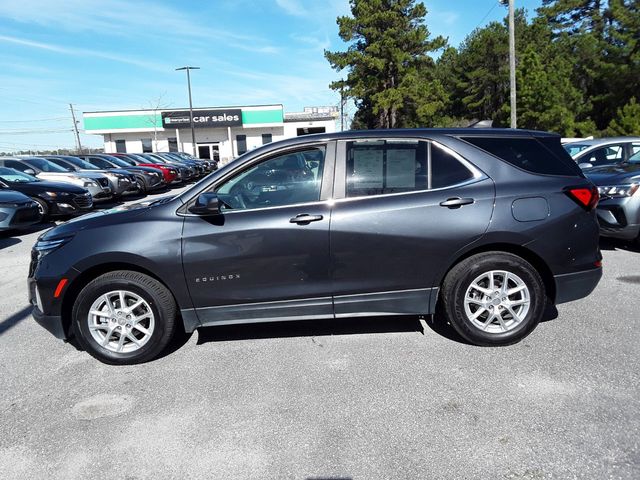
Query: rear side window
point(380, 167)
point(529, 154)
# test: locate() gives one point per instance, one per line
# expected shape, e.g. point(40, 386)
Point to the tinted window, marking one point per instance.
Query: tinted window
point(603, 156)
point(241, 140)
point(526, 153)
point(266, 138)
point(147, 145)
point(173, 144)
point(635, 150)
point(78, 162)
point(17, 165)
point(121, 146)
point(286, 179)
point(14, 176)
point(446, 170)
point(61, 163)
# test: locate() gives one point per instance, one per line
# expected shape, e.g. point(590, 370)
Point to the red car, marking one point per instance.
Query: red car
point(170, 173)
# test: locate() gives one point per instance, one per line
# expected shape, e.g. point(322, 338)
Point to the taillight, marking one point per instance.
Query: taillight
point(586, 197)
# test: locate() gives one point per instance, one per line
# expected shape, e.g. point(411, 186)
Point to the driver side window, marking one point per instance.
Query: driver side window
point(286, 179)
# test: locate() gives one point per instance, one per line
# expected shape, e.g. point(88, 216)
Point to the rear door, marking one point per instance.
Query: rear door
point(402, 209)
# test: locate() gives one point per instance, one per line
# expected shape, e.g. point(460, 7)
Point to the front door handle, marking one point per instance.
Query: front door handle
point(305, 219)
point(456, 202)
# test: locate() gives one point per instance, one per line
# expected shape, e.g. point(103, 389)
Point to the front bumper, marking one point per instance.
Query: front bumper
point(52, 323)
point(19, 217)
point(574, 286)
point(619, 217)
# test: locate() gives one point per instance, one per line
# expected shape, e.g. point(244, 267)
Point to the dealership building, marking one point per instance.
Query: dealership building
point(220, 132)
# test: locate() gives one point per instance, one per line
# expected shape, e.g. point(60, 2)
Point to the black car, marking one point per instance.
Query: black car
point(619, 206)
point(386, 222)
point(53, 198)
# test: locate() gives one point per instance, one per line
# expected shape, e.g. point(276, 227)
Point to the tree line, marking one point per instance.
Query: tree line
point(577, 70)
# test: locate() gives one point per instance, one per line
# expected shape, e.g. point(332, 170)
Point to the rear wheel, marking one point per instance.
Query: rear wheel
point(493, 298)
point(124, 317)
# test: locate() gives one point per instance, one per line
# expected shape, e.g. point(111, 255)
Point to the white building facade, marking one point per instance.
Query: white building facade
point(221, 133)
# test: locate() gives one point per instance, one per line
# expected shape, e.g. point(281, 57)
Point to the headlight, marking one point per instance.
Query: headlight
point(89, 183)
point(51, 194)
point(44, 247)
point(618, 191)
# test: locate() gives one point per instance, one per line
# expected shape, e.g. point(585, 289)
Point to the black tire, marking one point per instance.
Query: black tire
point(44, 208)
point(461, 276)
point(157, 296)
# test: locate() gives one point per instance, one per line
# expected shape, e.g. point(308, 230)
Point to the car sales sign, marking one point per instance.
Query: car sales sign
point(202, 118)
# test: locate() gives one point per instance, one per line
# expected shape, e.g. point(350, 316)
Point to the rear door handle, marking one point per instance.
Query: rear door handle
point(305, 219)
point(456, 202)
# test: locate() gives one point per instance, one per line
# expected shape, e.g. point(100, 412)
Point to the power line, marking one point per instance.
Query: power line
point(36, 120)
point(487, 14)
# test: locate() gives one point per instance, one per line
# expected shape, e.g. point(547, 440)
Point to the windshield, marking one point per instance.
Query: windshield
point(126, 160)
point(45, 165)
point(118, 161)
point(635, 158)
point(14, 176)
point(150, 158)
point(573, 148)
point(78, 162)
point(61, 163)
point(100, 162)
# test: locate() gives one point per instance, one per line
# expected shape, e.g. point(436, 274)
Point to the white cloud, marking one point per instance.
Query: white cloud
point(125, 18)
point(293, 7)
point(82, 52)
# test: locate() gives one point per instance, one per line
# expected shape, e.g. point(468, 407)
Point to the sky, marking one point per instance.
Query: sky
point(122, 54)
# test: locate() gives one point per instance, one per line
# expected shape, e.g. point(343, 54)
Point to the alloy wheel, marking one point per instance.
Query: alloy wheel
point(497, 301)
point(121, 321)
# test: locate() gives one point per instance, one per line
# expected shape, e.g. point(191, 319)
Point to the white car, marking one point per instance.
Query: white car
point(603, 151)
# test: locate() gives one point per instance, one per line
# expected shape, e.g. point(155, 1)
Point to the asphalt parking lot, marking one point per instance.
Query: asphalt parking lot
point(348, 399)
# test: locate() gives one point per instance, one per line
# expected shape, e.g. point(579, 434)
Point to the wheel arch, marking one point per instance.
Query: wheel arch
point(529, 255)
point(90, 274)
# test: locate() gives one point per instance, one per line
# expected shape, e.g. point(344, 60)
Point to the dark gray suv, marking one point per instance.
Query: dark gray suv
point(486, 227)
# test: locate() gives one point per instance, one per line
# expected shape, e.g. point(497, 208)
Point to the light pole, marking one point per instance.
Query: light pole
point(512, 59)
point(193, 132)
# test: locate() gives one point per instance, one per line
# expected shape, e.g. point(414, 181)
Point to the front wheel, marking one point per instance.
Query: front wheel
point(124, 317)
point(493, 298)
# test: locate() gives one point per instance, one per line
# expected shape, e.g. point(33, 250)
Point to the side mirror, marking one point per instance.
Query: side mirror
point(206, 204)
point(30, 171)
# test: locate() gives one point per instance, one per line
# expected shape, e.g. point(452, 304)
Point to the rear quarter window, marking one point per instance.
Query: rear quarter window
point(536, 155)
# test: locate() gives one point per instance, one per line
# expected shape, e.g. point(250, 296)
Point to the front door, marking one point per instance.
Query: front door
point(407, 206)
point(267, 255)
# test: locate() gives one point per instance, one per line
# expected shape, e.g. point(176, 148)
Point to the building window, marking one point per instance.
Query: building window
point(310, 130)
point(241, 141)
point(121, 146)
point(267, 138)
point(173, 144)
point(147, 145)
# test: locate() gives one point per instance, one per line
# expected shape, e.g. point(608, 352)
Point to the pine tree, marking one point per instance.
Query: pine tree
point(391, 76)
point(627, 121)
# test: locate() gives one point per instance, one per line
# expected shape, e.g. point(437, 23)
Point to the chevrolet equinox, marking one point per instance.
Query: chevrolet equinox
point(485, 226)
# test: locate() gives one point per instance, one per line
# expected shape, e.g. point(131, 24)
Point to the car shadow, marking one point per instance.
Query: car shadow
point(15, 234)
point(442, 327)
point(12, 320)
point(611, 244)
point(309, 328)
point(7, 241)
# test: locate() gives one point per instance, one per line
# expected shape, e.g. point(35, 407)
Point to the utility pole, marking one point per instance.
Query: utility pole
point(75, 129)
point(193, 132)
point(342, 108)
point(512, 59)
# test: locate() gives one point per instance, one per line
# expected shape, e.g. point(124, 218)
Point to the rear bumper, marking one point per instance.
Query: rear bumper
point(574, 286)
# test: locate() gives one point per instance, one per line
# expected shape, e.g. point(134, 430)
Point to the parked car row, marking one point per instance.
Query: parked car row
point(613, 164)
point(34, 188)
